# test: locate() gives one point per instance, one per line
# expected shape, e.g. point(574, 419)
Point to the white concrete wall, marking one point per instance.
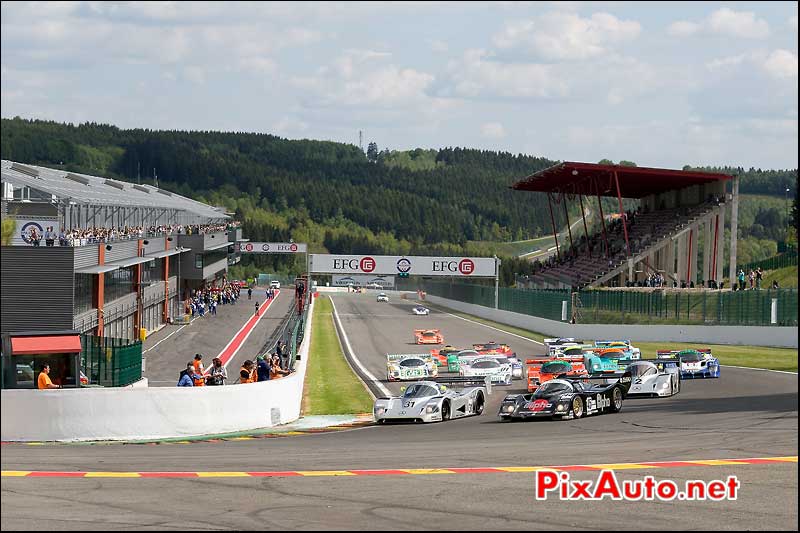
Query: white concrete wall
point(150, 413)
point(785, 337)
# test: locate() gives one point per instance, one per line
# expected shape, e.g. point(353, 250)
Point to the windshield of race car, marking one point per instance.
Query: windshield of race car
point(558, 367)
point(485, 364)
point(552, 388)
point(420, 391)
point(429, 334)
point(690, 357)
point(412, 363)
point(642, 368)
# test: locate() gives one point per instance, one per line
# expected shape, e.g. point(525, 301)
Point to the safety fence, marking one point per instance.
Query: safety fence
point(771, 263)
point(653, 306)
point(110, 362)
point(290, 332)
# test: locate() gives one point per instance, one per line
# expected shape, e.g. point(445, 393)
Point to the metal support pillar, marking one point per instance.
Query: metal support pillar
point(585, 229)
point(622, 214)
point(553, 221)
point(734, 228)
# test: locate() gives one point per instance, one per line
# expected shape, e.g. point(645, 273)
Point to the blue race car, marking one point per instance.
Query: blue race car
point(694, 363)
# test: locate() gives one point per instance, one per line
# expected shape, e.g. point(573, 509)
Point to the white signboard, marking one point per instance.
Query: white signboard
point(475, 267)
point(363, 280)
point(272, 248)
point(23, 233)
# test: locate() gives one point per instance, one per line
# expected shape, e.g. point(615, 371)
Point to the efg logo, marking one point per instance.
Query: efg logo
point(248, 247)
point(293, 247)
point(367, 264)
point(466, 266)
point(403, 265)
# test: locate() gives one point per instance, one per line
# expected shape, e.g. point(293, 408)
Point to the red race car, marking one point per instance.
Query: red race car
point(491, 348)
point(428, 336)
point(545, 369)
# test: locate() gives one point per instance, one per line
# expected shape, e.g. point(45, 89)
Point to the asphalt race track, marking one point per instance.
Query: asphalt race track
point(744, 414)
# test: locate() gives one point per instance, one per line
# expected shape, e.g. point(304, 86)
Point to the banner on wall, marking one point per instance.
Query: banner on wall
point(272, 247)
point(476, 267)
point(25, 227)
point(363, 280)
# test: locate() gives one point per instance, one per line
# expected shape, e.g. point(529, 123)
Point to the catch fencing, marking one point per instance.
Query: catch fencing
point(110, 362)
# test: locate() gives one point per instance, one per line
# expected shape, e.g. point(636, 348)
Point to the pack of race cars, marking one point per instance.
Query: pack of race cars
point(575, 378)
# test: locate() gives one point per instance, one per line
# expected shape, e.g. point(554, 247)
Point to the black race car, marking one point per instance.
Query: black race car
point(566, 398)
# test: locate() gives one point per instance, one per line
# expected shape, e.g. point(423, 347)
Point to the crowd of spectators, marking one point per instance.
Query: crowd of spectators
point(206, 300)
point(84, 236)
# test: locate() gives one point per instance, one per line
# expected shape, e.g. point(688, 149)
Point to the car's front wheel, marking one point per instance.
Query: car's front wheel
point(577, 407)
point(446, 411)
point(616, 400)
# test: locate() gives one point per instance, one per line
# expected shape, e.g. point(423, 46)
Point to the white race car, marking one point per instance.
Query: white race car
point(656, 378)
point(432, 401)
point(419, 310)
point(488, 367)
point(400, 367)
point(382, 297)
point(557, 346)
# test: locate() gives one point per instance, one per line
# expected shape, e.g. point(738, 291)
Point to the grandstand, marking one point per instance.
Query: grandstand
point(130, 247)
point(660, 237)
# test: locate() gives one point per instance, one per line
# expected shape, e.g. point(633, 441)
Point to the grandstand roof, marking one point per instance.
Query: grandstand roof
point(94, 190)
point(591, 179)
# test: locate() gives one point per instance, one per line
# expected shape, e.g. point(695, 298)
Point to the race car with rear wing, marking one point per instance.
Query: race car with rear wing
point(544, 369)
point(657, 378)
point(625, 345)
point(401, 367)
point(420, 310)
point(695, 363)
point(566, 398)
point(435, 400)
point(488, 366)
point(441, 355)
point(428, 336)
point(555, 346)
point(494, 348)
point(606, 359)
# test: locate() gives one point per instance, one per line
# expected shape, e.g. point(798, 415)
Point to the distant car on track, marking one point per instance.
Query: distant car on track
point(382, 297)
point(419, 310)
point(695, 363)
point(433, 401)
point(274, 284)
point(497, 372)
point(428, 336)
point(566, 399)
point(402, 367)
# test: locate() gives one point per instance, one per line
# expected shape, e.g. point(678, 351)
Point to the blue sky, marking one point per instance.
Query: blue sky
point(662, 84)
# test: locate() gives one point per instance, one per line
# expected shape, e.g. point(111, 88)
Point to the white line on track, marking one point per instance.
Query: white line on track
point(761, 369)
point(165, 338)
point(494, 328)
point(361, 367)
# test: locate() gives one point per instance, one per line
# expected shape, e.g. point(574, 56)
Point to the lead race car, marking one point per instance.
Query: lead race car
point(699, 363)
point(420, 310)
point(567, 399)
point(401, 367)
point(434, 401)
point(657, 378)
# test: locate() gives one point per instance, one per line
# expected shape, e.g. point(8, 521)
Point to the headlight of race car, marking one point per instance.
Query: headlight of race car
point(664, 385)
point(432, 409)
point(596, 367)
point(508, 408)
point(561, 407)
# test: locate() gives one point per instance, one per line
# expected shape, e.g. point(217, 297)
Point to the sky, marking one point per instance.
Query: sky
point(659, 83)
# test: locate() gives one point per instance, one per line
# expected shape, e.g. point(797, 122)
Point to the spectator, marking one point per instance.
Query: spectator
point(256, 308)
point(276, 369)
point(752, 278)
point(759, 278)
point(35, 237)
point(263, 369)
point(44, 381)
point(186, 378)
point(49, 237)
point(249, 293)
point(775, 284)
point(218, 373)
point(247, 373)
point(741, 280)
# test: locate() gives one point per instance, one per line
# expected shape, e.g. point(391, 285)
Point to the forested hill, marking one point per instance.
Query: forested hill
point(463, 195)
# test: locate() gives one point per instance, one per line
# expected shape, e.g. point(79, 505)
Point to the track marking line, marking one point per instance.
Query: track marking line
point(237, 341)
point(414, 471)
point(491, 327)
point(761, 369)
point(355, 359)
point(165, 338)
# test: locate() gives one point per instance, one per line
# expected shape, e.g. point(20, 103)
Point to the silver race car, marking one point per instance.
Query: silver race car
point(654, 377)
point(419, 310)
point(498, 372)
point(434, 401)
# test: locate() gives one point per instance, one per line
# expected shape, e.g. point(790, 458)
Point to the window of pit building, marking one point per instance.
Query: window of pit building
point(118, 283)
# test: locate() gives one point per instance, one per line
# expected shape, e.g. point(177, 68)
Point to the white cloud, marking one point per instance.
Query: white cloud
point(558, 36)
point(493, 130)
point(781, 64)
point(476, 75)
point(724, 21)
point(726, 62)
point(438, 46)
point(288, 126)
point(683, 28)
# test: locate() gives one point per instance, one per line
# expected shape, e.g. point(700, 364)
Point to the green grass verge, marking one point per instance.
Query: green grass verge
point(787, 277)
point(331, 387)
point(748, 356)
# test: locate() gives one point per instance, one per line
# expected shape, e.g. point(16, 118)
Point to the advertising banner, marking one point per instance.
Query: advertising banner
point(22, 235)
point(272, 247)
point(363, 280)
point(474, 267)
